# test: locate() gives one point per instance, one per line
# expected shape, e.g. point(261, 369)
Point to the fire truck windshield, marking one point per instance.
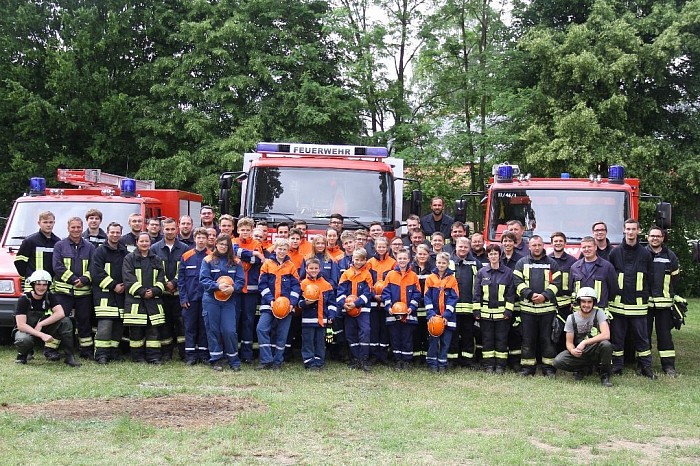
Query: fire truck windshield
point(313, 193)
point(24, 220)
point(545, 211)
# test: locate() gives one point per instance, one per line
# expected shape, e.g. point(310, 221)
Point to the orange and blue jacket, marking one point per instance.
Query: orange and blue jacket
point(403, 287)
point(278, 279)
point(358, 282)
point(251, 264)
point(441, 296)
point(317, 314)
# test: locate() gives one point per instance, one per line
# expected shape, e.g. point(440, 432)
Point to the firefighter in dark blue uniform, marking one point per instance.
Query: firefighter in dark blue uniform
point(36, 250)
point(494, 301)
point(108, 294)
point(664, 275)
point(510, 257)
point(564, 261)
point(633, 264)
point(537, 282)
point(594, 272)
point(73, 282)
point(170, 251)
point(465, 267)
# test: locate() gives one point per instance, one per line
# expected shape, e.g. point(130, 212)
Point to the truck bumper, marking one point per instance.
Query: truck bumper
point(7, 312)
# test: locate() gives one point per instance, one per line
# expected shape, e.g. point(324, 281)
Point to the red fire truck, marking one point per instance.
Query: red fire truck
point(115, 196)
point(569, 205)
point(290, 181)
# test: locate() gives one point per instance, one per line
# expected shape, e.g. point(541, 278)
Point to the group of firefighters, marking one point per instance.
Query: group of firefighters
point(434, 295)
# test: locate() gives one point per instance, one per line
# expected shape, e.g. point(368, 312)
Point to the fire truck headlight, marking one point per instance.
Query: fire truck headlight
point(7, 287)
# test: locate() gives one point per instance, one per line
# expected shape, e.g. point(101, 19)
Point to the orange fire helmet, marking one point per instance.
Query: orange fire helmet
point(436, 326)
point(354, 312)
point(220, 295)
point(312, 292)
point(281, 307)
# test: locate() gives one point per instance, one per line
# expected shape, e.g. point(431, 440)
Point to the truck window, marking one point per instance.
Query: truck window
point(26, 214)
point(308, 193)
point(544, 211)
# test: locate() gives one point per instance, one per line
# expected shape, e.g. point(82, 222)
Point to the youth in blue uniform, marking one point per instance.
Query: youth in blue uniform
point(357, 281)
point(316, 316)
point(402, 285)
point(221, 317)
point(278, 277)
point(441, 295)
point(422, 264)
point(191, 295)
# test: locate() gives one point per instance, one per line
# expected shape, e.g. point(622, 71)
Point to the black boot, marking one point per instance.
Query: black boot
point(71, 361)
point(605, 380)
point(87, 352)
point(51, 354)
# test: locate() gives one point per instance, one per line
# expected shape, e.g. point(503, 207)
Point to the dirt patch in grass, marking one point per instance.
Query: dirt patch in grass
point(175, 411)
point(652, 451)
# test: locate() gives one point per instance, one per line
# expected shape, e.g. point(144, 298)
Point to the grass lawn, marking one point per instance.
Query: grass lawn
point(126, 413)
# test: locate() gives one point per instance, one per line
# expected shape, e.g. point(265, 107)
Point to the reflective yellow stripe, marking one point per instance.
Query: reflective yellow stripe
point(667, 354)
point(464, 308)
point(39, 260)
point(667, 286)
point(552, 286)
point(640, 281)
point(598, 287)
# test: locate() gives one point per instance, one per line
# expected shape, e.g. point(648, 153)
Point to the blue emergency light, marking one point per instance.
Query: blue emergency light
point(565, 176)
point(128, 187)
point(616, 174)
point(504, 173)
point(37, 186)
point(320, 150)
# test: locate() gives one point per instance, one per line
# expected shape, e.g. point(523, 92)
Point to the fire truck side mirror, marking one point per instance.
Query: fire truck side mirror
point(461, 210)
point(695, 247)
point(416, 202)
point(225, 181)
point(663, 215)
point(224, 202)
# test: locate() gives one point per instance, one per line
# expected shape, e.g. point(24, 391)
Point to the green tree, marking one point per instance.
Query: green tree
point(248, 71)
point(74, 85)
point(615, 84)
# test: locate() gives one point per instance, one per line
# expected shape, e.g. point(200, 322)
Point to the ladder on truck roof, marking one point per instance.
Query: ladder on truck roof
point(94, 178)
